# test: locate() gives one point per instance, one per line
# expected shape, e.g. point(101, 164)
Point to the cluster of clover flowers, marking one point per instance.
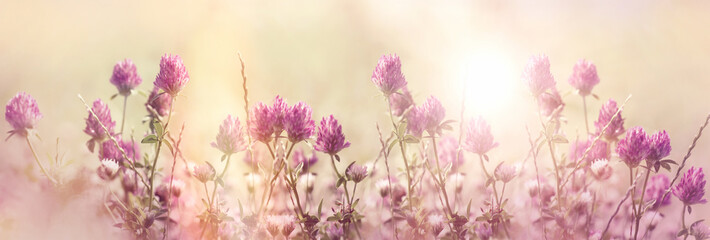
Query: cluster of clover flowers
point(569, 201)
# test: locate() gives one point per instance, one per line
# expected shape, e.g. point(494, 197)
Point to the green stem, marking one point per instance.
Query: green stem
point(404, 155)
point(125, 103)
point(220, 176)
point(337, 173)
point(37, 160)
point(682, 217)
point(488, 176)
point(157, 154)
point(641, 202)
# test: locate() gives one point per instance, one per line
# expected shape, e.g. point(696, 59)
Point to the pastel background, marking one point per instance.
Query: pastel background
point(323, 53)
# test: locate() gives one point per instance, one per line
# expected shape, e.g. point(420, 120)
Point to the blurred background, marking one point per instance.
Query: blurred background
point(323, 53)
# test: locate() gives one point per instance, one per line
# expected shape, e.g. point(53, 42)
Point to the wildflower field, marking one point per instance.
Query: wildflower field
point(237, 120)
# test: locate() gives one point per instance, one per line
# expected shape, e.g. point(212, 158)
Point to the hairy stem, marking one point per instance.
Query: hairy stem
point(27, 138)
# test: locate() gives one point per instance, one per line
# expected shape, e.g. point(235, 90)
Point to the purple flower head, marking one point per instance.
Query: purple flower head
point(93, 126)
point(299, 124)
point(172, 76)
point(400, 102)
point(158, 103)
point(691, 188)
point(22, 113)
point(537, 75)
point(655, 190)
point(278, 113)
point(598, 151)
point(436, 222)
point(447, 148)
point(204, 172)
point(616, 128)
point(633, 148)
point(330, 136)
point(300, 157)
point(479, 139)
point(434, 114)
point(109, 151)
point(388, 75)
point(230, 138)
point(550, 103)
point(416, 121)
point(356, 172)
point(261, 124)
point(584, 77)
point(659, 146)
point(125, 77)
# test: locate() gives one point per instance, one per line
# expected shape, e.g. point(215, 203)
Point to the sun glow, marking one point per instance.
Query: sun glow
point(489, 82)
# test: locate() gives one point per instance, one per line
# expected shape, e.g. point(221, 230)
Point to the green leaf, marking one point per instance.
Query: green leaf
point(241, 209)
point(320, 207)
point(355, 203)
point(167, 143)
point(411, 139)
point(159, 130)
point(341, 180)
point(150, 139)
point(401, 129)
point(219, 181)
point(468, 209)
point(559, 139)
point(223, 157)
point(394, 142)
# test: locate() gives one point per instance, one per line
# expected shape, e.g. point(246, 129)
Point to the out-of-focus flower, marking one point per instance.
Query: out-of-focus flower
point(163, 191)
point(288, 225)
point(278, 114)
point(356, 172)
point(226, 230)
point(172, 76)
point(382, 187)
point(300, 157)
point(335, 231)
point(158, 103)
point(22, 113)
point(505, 172)
point(298, 122)
point(434, 113)
point(330, 136)
point(129, 182)
point(436, 223)
point(108, 169)
point(400, 102)
point(447, 148)
point(109, 150)
point(550, 103)
point(307, 182)
point(700, 231)
point(125, 77)
point(261, 123)
point(601, 169)
point(537, 75)
point(253, 180)
point(584, 77)
point(416, 122)
point(426, 117)
point(230, 138)
point(658, 185)
point(93, 126)
point(598, 151)
point(388, 75)
point(479, 139)
point(616, 127)
point(483, 230)
point(659, 146)
point(273, 224)
point(204, 172)
point(633, 148)
point(691, 188)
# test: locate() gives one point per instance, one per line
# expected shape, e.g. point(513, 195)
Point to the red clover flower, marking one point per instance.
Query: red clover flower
point(22, 113)
point(125, 77)
point(172, 76)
